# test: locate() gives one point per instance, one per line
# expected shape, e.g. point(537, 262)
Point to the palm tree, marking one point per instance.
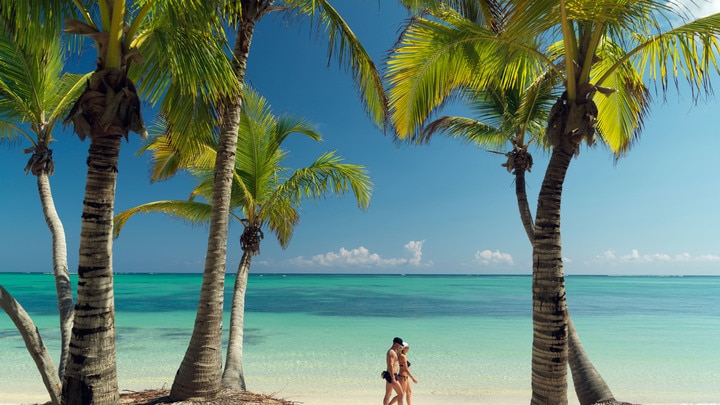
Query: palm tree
point(108, 110)
point(199, 374)
point(33, 342)
point(604, 47)
point(34, 96)
point(265, 195)
point(506, 115)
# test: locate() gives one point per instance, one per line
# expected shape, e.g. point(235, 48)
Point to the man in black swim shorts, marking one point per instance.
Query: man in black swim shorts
point(391, 381)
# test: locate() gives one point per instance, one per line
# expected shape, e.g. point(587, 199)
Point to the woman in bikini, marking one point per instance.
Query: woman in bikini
point(405, 374)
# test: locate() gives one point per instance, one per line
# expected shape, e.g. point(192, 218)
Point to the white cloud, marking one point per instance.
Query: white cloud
point(635, 257)
point(490, 258)
point(415, 248)
point(362, 257)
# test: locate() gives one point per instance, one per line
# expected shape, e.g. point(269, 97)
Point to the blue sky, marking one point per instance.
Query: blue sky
point(439, 208)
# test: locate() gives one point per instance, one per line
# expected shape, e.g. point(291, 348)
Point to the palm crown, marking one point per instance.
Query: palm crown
point(613, 46)
point(35, 94)
point(264, 193)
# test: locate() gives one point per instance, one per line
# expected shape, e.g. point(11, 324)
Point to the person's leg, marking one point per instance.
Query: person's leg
point(399, 390)
point(408, 391)
point(388, 392)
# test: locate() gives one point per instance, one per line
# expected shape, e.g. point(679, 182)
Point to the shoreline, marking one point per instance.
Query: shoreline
point(332, 396)
point(350, 397)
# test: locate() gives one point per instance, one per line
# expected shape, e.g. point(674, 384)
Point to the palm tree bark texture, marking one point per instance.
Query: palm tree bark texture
point(106, 111)
point(33, 342)
point(200, 372)
point(91, 375)
point(60, 266)
point(568, 125)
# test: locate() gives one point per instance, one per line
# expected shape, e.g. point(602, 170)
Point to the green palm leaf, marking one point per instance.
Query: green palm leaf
point(465, 130)
point(169, 155)
point(621, 113)
point(192, 212)
point(21, 79)
point(688, 50)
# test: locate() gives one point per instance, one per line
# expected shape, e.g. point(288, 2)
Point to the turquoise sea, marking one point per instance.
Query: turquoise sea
point(654, 339)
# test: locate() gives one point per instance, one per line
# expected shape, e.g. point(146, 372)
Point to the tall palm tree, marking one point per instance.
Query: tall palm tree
point(506, 115)
point(265, 195)
point(199, 374)
point(601, 48)
point(107, 111)
point(34, 96)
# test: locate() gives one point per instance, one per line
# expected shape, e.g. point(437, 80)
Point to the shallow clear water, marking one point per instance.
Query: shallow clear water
point(654, 339)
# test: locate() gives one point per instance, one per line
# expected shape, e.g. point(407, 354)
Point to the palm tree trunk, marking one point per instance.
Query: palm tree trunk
point(60, 267)
point(233, 376)
point(33, 342)
point(589, 385)
point(200, 373)
point(550, 318)
point(91, 374)
point(523, 206)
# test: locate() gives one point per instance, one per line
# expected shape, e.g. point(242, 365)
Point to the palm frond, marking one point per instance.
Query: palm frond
point(193, 212)
point(466, 130)
point(183, 46)
point(20, 73)
point(687, 51)
point(282, 217)
point(190, 124)
point(328, 174)
point(535, 104)
point(11, 133)
point(289, 124)
point(204, 186)
point(46, 17)
point(240, 199)
point(622, 112)
point(63, 94)
point(489, 13)
point(167, 157)
point(423, 69)
point(533, 19)
point(33, 89)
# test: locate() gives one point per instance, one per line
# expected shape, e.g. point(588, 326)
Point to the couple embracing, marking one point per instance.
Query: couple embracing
point(398, 375)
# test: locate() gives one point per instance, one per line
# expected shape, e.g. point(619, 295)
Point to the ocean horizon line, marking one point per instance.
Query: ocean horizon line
point(296, 273)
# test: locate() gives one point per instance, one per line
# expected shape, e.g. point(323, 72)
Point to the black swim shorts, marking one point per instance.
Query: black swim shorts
point(388, 377)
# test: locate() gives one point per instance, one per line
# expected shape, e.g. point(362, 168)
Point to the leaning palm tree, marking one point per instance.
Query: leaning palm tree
point(200, 372)
point(107, 111)
point(265, 195)
point(602, 49)
point(505, 115)
point(33, 342)
point(34, 96)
